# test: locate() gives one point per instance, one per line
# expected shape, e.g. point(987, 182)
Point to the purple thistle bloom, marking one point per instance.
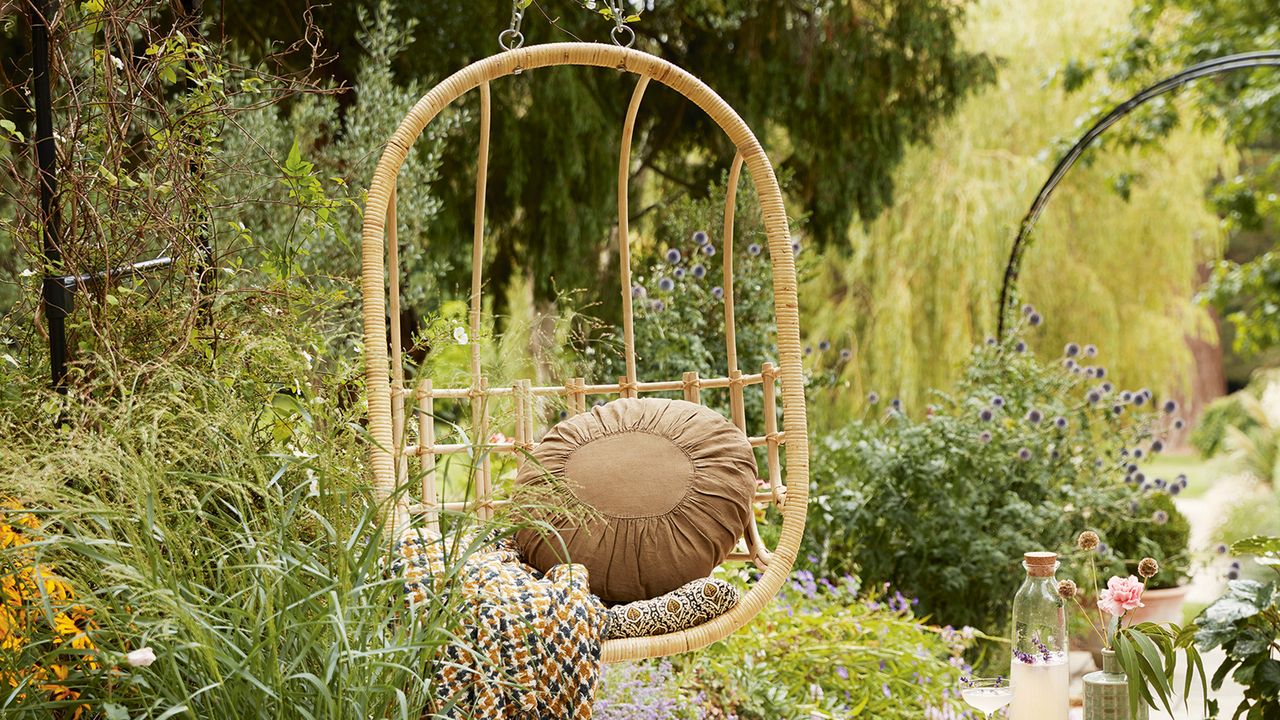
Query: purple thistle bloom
point(1024, 454)
point(896, 403)
point(1020, 347)
point(700, 237)
point(1090, 350)
point(1137, 452)
point(1181, 479)
point(1035, 319)
point(824, 345)
point(1117, 409)
point(1157, 446)
point(1160, 517)
point(1178, 424)
point(1100, 372)
point(708, 249)
point(699, 270)
point(997, 401)
point(1060, 422)
point(564, 414)
point(754, 249)
point(657, 306)
point(1131, 468)
point(679, 273)
point(1145, 392)
point(1160, 483)
point(1235, 564)
point(1027, 309)
point(1222, 548)
point(842, 672)
point(1094, 397)
point(717, 292)
point(1126, 396)
point(991, 341)
point(1175, 489)
point(873, 398)
point(1171, 406)
point(795, 247)
point(1069, 364)
point(1139, 399)
point(673, 256)
point(986, 415)
point(1139, 478)
point(666, 284)
point(846, 355)
point(1233, 574)
point(638, 291)
point(1034, 417)
point(1071, 350)
point(808, 350)
point(1088, 372)
point(1102, 548)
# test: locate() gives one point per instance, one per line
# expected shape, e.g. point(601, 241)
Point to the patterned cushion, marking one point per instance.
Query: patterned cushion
point(687, 606)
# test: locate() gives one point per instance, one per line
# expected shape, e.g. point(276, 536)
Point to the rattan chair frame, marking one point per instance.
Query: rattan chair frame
point(387, 394)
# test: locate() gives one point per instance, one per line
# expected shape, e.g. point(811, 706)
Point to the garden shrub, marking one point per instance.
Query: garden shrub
point(1024, 454)
point(823, 649)
point(1154, 527)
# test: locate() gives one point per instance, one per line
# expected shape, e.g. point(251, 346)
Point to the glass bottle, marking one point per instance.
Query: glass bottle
point(1039, 672)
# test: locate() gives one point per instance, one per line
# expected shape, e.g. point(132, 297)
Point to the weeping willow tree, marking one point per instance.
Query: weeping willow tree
point(1115, 256)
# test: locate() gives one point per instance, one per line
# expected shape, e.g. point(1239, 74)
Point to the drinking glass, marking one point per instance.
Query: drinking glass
point(986, 694)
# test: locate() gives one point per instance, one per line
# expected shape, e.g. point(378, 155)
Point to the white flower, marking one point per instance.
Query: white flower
point(142, 657)
point(27, 273)
point(460, 335)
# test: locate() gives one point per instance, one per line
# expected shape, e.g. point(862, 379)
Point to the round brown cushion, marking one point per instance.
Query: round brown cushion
point(670, 483)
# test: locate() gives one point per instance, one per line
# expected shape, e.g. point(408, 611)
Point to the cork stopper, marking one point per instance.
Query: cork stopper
point(1040, 564)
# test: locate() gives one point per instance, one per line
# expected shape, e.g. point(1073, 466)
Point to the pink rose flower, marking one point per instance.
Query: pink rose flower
point(1121, 595)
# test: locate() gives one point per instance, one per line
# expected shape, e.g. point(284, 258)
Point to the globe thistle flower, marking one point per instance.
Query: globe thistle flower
point(678, 273)
point(997, 401)
point(708, 249)
point(1027, 310)
point(1090, 350)
point(991, 341)
point(1147, 568)
point(1157, 446)
point(1139, 399)
point(896, 403)
point(754, 249)
point(699, 271)
point(984, 436)
point(1137, 452)
point(1020, 347)
point(1034, 319)
point(1106, 387)
point(1170, 406)
point(1034, 416)
point(1145, 393)
point(666, 284)
point(1088, 540)
point(986, 415)
point(1126, 396)
point(638, 291)
point(824, 345)
point(1117, 409)
point(1175, 489)
point(1160, 517)
point(846, 355)
point(1233, 574)
point(1060, 422)
point(564, 414)
point(700, 237)
point(1099, 372)
point(1131, 468)
point(1088, 372)
point(1139, 478)
point(795, 247)
point(1181, 479)
point(717, 292)
point(1069, 364)
point(673, 256)
point(1024, 454)
point(1071, 350)
point(808, 350)
point(1102, 549)
point(1160, 483)
point(873, 398)
point(1054, 454)
point(657, 306)
point(1222, 549)
point(1066, 590)
point(1094, 397)
point(1178, 424)
point(1235, 564)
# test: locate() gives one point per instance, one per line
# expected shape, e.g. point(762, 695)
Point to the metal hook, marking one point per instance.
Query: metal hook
point(512, 38)
point(620, 31)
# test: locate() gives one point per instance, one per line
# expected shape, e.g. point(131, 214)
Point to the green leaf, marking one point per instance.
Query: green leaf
point(112, 711)
point(1266, 550)
point(1129, 661)
point(1155, 669)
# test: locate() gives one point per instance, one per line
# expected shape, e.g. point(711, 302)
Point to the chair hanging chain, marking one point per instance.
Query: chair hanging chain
point(622, 34)
point(512, 38)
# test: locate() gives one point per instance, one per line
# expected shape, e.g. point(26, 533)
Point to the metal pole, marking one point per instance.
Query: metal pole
point(54, 296)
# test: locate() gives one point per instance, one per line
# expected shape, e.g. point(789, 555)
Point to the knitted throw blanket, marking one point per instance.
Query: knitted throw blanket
point(530, 643)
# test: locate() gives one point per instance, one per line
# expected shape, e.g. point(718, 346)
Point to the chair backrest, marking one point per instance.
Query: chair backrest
point(401, 418)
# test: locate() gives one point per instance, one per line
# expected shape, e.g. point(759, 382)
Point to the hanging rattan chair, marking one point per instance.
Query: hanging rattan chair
point(402, 430)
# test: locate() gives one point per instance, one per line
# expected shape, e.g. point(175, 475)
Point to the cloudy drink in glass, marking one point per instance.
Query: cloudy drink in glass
point(1038, 671)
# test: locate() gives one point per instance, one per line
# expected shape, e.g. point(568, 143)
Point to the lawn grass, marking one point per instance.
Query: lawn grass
point(1202, 473)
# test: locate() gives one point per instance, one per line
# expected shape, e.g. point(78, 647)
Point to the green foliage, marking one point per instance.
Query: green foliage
point(1210, 433)
point(821, 650)
point(944, 506)
point(1154, 527)
point(1148, 653)
point(921, 284)
point(1245, 623)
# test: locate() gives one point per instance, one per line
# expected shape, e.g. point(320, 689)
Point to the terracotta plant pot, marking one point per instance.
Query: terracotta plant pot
point(1164, 605)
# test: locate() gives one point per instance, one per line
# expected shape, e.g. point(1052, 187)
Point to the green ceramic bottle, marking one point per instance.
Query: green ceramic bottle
point(1106, 692)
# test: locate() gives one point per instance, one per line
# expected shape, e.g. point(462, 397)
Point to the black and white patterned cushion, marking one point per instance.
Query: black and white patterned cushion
point(687, 606)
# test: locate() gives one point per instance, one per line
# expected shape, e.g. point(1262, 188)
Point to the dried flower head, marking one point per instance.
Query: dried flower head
point(1067, 589)
point(1148, 568)
point(1088, 540)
